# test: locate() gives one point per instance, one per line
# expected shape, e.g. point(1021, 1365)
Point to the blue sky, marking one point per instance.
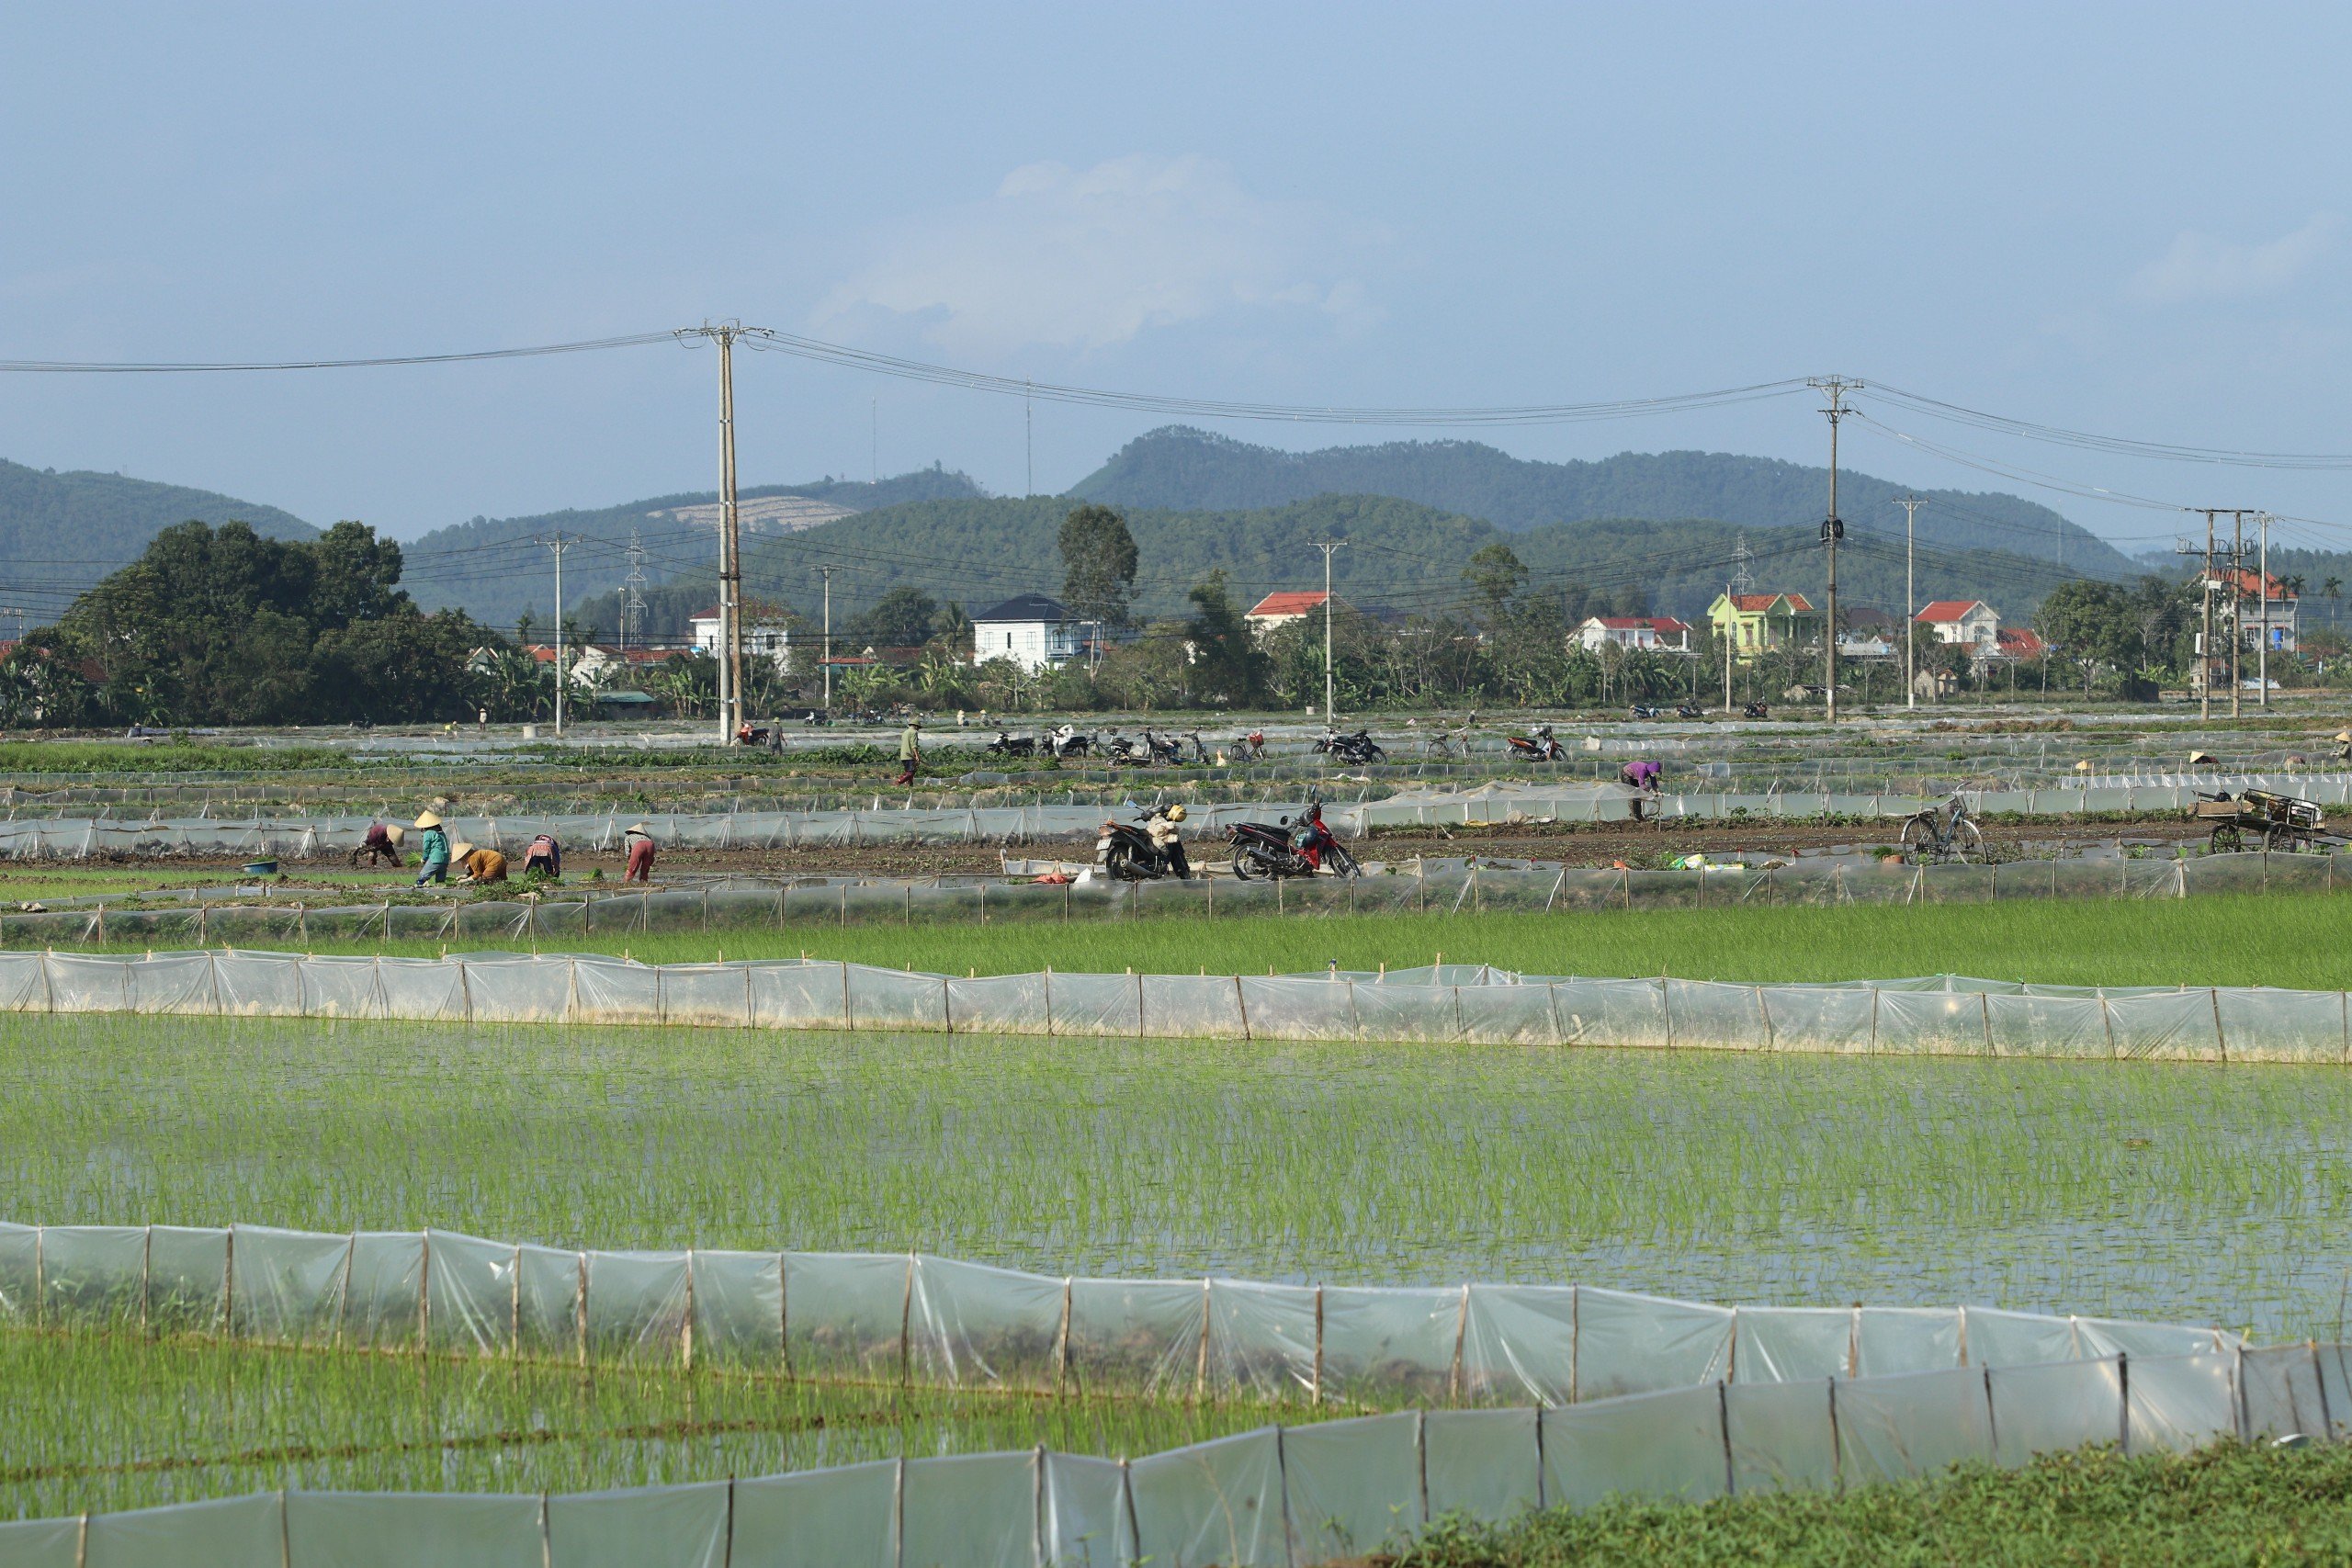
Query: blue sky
point(2132, 220)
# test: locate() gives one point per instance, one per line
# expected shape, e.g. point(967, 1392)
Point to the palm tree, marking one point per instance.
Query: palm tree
point(2333, 587)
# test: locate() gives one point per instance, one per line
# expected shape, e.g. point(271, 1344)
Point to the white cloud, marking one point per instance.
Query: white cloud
point(2199, 266)
point(1086, 259)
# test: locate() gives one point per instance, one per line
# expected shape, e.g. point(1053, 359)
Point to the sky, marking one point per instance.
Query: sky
point(2134, 221)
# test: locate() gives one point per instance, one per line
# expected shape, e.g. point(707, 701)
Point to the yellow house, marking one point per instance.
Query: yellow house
point(1754, 622)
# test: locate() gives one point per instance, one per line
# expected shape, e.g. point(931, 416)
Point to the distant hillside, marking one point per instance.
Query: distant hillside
point(1399, 556)
point(492, 568)
point(1186, 469)
point(60, 532)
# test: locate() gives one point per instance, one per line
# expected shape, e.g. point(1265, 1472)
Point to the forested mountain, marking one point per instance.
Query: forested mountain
point(1399, 556)
point(1185, 469)
point(60, 532)
point(492, 568)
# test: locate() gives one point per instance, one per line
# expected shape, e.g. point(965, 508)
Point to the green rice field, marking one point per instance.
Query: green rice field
point(2295, 941)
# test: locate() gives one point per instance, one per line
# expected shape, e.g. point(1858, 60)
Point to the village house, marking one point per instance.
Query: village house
point(2266, 608)
point(1032, 630)
point(1280, 609)
point(1753, 623)
point(1655, 634)
point(1971, 623)
point(762, 639)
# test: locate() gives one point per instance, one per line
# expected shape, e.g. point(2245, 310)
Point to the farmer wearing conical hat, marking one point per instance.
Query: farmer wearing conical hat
point(382, 844)
point(640, 841)
point(435, 846)
point(478, 865)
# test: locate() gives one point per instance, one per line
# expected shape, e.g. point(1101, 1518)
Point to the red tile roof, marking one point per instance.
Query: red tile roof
point(1950, 609)
point(1634, 622)
point(2019, 643)
point(2245, 582)
point(1754, 603)
point(1287, 605)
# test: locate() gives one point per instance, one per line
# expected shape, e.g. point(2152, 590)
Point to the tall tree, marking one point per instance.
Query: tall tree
point(1228, 668)
point(1098, 565)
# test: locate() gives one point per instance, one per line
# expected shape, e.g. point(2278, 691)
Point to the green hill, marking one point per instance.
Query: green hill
point(1399, 556)
point(61, 533)
point(1186, 469)
point(492, 568)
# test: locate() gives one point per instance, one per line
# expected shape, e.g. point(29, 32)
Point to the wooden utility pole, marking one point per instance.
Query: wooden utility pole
point(1833, 528)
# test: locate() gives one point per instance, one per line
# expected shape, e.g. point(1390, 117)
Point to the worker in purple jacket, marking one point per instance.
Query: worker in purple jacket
point(1642, 777)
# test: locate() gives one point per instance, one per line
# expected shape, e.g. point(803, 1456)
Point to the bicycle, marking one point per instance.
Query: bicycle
point(1941, 834)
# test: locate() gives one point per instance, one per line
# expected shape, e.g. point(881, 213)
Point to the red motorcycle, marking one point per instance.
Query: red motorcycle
point(1538, 747)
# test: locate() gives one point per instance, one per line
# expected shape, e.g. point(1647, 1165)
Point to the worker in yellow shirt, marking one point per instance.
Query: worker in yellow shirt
point(479, 865)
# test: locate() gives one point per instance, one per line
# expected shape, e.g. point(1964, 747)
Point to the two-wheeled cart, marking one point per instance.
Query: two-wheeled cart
point(2265, 820)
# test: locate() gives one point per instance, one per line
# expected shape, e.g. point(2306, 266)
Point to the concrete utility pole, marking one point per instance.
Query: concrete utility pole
point(730, 545)
point(1327, 546)
point(2237, 612)
point(2205, 618)
point(825, 658)
point(1833, 527)
point(558, 544)
point(1910, 504)
point(2262, 589)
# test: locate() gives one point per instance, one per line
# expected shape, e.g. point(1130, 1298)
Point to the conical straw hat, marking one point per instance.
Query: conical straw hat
point(427, 820)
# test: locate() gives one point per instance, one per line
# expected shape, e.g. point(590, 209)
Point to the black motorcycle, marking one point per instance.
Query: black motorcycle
point(1689, 710)
point(1122, 751)
point(1261, 849)
point(1537, 747)
point(1162, 750)
point(1067, 743)
point(1125, 852)
point(1756, 710)
point(1644, 710)
point(815, 717)
point(1005, 745)
point(1355, 751)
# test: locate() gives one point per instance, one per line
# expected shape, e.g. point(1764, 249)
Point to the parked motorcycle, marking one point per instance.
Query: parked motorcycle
point(1200, 752)
point(1537, 746)
point(1644, 710)
point(1122, 752)
point(1124, 851)
point(815, 717)
point(1006, 745)
point(1756, 710)
point(1297, 847)
point(1162, 750)
point(1355, 751)
point(1068, 743)
point(1689, 710)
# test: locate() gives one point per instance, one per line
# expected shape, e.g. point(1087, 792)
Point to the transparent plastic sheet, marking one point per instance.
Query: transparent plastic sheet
point(2047, 1026)
point(2223, 874)
point(1792, 1344)
point(547, 1302)
point(188, 1279)
point(92, 1275)
point(229, 1532)
point(971, 1511)
point(2262, 1025)
point(895, 999)
point(1419, 1014)
point(1932, 1023)
point(2040, 1410)
point(999, 1004)
point(402, 1529)
point(1026, 903)
point(1997, 1338)
point(497, 918)
point(2166, 1026)
point(1821, 1019)
point(873, 906)
point(2181, 1402)
point(1779, 1437)
point(1611, 1012)
point(1261, 1341)
point(1353, 1488)
point(182, 983)
point(637, 1307)
point(1659, 1444)
point(1705, 1015)
point(87, 984)
point(422, 988)
point(741, 909)
point(1190, 1007)
point(519, 989)
point(845, 1315)
point(289, 1285)
point(641, 1527)
point(2280, 1392)
point(1632, 1343)
point(1136, 1335)
point(738, 1309)
point(42, 1543)
point(557, 921)
point(1517, 892)
point(20, 982)
point(973, 1325)
point(1485, 1464)
point(1507, 1015)
point(252, 926)
point(607, 991)
point(1390, 1347)
point(1083, 1514)
point(418, 922)
point(1665, 889)
point(1901, 1428)
point(1880, 884)
point(1217, 1502)
point(1096, 1004)
point(710, 994)
point(1283, 1009)
point(469, 1291)
point(2296, 874)
point(382, 1291)
point(1519, 1344)
point(800, 996)
point(340, 988)
point(1890, 1341)
point(2122, 1337)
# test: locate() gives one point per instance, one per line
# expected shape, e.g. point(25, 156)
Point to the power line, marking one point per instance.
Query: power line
point(176, 367)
